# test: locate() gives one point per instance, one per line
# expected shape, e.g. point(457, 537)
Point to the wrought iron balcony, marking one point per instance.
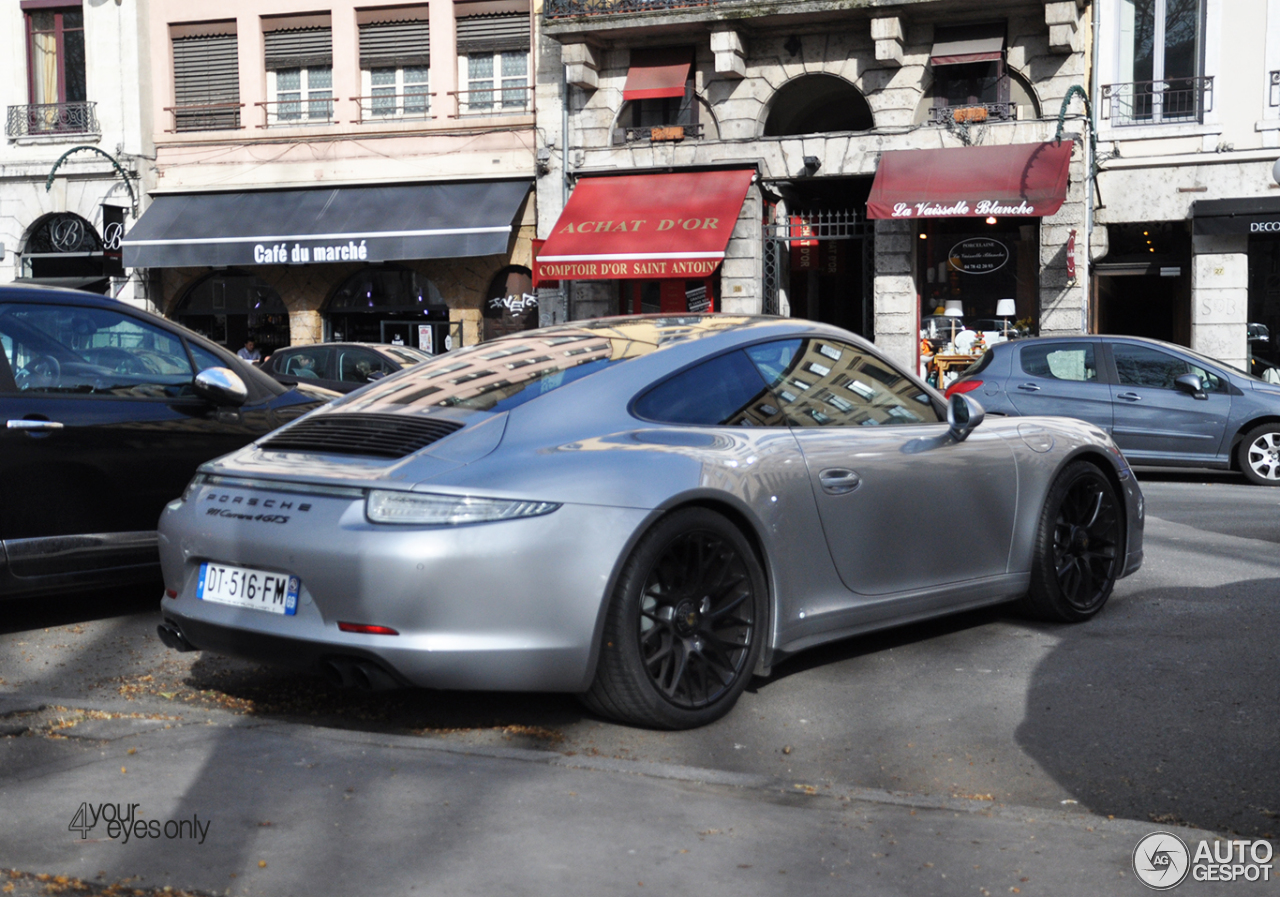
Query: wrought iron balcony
point(50, 119)
point(973, 113)
point(205, 117)
point(392, 106)
point(1158, 102)
point(553, 9)
point(659, 134)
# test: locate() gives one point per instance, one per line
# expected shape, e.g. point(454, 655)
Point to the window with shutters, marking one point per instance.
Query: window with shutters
point(300, 76)
point(395, 61)
point(493, 64)
point(206, 82)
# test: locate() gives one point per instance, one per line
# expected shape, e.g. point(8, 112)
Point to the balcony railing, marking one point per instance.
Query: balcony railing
point(973, 114)
point(205, 117)
point(49, 119)
point(1158, 102)
point(388, 107)
point(302, 112)
point(558, 8)
point(659, 134)
point(495, 100)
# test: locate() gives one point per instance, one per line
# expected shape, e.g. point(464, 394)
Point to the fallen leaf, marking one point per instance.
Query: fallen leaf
point(262, 864)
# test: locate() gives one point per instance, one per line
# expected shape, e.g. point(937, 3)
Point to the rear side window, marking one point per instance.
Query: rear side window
point(1060, 361)
point(725, 391)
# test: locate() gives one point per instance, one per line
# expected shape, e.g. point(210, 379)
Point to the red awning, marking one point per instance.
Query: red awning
point(657, 73)
point(650, 226)
point(971, 181)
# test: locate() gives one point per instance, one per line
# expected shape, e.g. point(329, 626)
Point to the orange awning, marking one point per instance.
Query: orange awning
point(643, 226)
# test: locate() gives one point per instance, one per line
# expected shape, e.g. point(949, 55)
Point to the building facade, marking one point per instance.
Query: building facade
point(73, 166)
point(884, 160)
point(343, 172)
point(1187, 228)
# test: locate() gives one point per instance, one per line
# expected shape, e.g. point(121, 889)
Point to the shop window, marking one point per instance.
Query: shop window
point(64, 245)
point(56, 55)
point(812, 104)
point(395, 60)
point(299, 63)
point(389, 304)
point(826, 383)
point(493, 63)
point(231, 308)
point(206, 81)
point(966, 266)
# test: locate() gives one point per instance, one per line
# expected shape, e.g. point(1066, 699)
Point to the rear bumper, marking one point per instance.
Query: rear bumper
point(511, 606)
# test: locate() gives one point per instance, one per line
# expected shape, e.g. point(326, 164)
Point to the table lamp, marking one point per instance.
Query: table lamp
point(955, 309)
point(1006, 308)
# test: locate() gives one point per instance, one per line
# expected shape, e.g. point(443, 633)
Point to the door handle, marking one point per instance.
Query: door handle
point(1129, 397)
point(1029, 387)
point(34, 425)
point(838, 481)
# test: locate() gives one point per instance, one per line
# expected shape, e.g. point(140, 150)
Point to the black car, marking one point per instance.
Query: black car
point(108, 412)
point(343, 367)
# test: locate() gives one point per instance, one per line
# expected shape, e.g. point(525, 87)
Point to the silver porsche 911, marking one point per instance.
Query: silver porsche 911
point(645, 511)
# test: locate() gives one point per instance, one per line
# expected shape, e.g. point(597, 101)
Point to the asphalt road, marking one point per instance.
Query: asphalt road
point(1161, 710)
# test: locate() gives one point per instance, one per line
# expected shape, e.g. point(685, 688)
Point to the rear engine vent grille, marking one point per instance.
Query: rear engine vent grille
point(383, 435)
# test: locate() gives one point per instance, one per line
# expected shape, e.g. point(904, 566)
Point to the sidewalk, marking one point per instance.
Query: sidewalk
point(270, 808)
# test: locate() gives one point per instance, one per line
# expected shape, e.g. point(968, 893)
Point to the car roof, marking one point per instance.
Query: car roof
point(30, 292)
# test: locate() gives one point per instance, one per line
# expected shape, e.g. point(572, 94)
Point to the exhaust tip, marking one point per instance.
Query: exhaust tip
point(173, 638)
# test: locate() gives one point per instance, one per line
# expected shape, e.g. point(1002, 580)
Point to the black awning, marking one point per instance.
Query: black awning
point(1250, 215)
point(342, 224)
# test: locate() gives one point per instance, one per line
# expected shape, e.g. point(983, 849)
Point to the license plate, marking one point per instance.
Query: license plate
point(275, 593)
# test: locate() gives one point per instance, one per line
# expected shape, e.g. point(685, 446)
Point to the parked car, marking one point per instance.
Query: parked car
point(342, 367)
point(1163, 404)
point(643, 510)
point(109, 411)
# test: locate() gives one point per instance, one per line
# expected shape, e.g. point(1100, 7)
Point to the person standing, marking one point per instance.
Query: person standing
point(250, 352)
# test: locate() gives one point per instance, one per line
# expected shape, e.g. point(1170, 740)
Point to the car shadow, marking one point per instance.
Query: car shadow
point(1168, 712)
point(43, 611)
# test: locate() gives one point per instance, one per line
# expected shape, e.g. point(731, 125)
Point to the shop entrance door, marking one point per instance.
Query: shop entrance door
point(821, 266)
point(1151, 305)
point(669, 297)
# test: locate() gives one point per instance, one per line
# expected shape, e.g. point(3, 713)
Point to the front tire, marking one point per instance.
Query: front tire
point(1079, 547)
point(685, 625)
point(1260, 455)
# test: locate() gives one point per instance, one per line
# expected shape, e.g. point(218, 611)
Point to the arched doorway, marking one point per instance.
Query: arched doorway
point(510, 304)
point(63, 249)
point(388, 304)
point(231, 307)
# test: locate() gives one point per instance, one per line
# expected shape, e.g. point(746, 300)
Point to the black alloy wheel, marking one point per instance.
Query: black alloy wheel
point(1079, 547)
point(684, 631)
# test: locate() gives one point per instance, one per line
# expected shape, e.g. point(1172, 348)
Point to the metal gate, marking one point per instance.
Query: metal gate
point(822, 225)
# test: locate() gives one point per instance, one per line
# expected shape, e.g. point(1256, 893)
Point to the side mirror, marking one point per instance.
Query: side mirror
point(963, 416)
point(1191, 385)
point(221, 386)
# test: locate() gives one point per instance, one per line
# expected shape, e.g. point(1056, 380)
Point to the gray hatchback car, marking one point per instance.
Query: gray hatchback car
point(1162, 404)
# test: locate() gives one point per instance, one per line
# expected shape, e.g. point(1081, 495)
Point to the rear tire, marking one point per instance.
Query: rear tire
point(685, 625)
point(1259, 455)
point(1079, 548)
